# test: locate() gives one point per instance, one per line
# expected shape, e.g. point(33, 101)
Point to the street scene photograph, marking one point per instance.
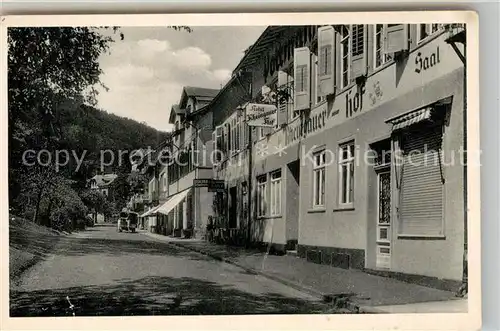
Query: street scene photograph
point(237, 170)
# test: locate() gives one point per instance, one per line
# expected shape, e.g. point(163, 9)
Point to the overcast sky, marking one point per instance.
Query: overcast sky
point(146, 71)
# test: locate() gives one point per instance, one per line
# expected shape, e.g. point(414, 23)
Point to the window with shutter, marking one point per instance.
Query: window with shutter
point(396, 38)
point(359, 63)
point(422, 181)
point(358, 37)
point(302, 65)
point(426, 30)
point(380, 57)
point(325, 62)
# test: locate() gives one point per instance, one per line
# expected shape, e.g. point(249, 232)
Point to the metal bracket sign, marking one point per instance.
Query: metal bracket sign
point(201, 182)
point(262, 115)
point(216, 186)
point(212, 184)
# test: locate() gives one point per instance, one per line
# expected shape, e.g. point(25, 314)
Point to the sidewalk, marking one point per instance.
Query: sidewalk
point(364, 292)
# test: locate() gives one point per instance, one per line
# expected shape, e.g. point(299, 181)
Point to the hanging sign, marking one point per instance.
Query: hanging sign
point(216, 185)
point(262, 115)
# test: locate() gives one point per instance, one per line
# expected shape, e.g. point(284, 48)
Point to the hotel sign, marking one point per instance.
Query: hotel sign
point(262, 115)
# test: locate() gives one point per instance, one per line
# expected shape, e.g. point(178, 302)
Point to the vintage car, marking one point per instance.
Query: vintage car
point(127, 221)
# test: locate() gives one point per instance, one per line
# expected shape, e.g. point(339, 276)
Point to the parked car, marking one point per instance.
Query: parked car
point(127, 221)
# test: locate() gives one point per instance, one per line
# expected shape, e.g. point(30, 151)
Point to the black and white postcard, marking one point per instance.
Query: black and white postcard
point(235, 171)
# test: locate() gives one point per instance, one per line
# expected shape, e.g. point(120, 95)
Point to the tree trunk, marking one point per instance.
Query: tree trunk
point(39, 198)
point(49, 221)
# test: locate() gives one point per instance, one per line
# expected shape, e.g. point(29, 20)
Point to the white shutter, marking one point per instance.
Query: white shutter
point(282, 104)
point(302, 78)
point(326, 60)
point(359, 53)
point(396, 38)
point(422, 187)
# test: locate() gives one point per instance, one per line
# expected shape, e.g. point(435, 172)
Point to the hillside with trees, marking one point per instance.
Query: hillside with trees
point(52, 74)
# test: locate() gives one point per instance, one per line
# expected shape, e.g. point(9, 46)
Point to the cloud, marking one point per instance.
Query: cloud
point(145, 78)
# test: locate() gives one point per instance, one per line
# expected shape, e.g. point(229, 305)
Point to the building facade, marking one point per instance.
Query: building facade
point(179, 165)
point(363, 168)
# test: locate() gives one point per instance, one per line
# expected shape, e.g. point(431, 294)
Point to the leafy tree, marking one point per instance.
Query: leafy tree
point(52, 73)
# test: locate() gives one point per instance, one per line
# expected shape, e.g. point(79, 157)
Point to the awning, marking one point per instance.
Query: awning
point(172, 202)
point(411, 118)
point(149, 212)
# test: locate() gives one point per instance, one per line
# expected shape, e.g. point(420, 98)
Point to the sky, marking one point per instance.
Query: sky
point(146, 71)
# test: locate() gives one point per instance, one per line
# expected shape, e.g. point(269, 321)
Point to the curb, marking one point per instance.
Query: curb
point(326, 298)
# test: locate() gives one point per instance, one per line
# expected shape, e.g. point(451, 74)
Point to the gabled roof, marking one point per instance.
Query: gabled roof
point(206, 94)
point(175, 110)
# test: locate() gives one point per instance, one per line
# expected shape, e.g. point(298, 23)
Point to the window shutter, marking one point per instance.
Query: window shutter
point(326, 60)
point(396, 38)
point(359, 56)
point(302, 78)
point(421, 209)
point(282, 104)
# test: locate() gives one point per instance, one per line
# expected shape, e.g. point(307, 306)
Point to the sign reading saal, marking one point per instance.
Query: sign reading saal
point(262, 115)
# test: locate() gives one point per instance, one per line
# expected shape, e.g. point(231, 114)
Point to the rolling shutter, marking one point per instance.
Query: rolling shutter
point(282, 104)
point(396, 38)
point(422, 184)
point(326, 61)
point(359, 59)
point(302, 77)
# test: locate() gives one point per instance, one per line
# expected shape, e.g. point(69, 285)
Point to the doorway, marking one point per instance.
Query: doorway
point(383, 219)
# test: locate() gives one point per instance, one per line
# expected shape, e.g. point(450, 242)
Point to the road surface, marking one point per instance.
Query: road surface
point(103, 272)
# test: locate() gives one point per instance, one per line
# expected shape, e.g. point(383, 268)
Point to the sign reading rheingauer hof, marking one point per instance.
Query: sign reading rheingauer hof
point(262, 115)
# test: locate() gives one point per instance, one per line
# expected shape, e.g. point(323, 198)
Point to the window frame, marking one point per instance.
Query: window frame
point(350, 172)
point(385, 58)
point(345, 39)
point(319, 202)
point(261, 195)
point(276, 193)
point(428, 30)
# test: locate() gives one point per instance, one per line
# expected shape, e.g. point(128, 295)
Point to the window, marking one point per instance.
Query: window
point(346, 176)
point(325, 54)
point(276, 193)
point(319, 168)
point(358, 45)
point(261, 195)
point(344, 54)
point(317, 98)
point(302, 78)
point(380, 56)
point(426, 30)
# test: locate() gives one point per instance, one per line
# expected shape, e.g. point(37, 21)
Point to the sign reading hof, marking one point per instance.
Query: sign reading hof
point(261, 115)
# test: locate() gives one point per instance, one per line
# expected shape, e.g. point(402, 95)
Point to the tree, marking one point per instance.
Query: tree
point(49, 67)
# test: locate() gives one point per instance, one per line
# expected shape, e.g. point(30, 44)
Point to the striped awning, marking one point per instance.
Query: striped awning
point(414, 117)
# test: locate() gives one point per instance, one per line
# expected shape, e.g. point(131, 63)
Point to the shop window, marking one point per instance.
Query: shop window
point(319, 169)
point(346, 173)
point(426, 30)
point(380, 57)
point(358, 33)
point(261, 195)
point(345, 56)
point(276, 193)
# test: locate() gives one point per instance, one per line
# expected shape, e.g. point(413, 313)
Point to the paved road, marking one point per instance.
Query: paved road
point(103, 272)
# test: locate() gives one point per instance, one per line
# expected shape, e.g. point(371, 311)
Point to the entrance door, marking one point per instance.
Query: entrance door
point(233, 222)
point(384, 219)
